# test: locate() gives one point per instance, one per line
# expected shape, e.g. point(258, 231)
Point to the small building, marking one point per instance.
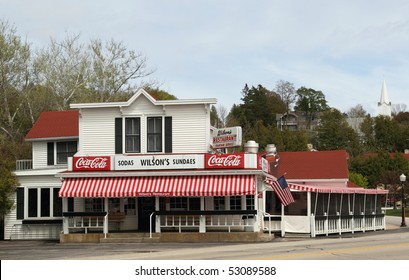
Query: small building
point(155, 166)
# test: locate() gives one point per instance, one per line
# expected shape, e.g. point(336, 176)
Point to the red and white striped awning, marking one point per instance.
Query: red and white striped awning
point(211, 185)
point(332, 189)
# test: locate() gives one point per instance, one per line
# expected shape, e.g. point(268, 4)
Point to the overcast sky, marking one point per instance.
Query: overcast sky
point(206, 48)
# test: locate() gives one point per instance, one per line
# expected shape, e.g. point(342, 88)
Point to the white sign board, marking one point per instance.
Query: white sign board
point(227, 137)
point(155, 162)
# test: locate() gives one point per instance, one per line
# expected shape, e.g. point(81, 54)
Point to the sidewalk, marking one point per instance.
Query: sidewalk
point(393, 222)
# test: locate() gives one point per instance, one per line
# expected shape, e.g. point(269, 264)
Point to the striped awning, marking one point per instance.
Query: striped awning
point(211, 185)
point(332, 189)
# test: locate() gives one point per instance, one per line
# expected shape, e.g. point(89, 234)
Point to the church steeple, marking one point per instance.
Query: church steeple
point(384, 105)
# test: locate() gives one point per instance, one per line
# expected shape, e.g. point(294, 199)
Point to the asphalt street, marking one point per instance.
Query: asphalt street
point(53, 250)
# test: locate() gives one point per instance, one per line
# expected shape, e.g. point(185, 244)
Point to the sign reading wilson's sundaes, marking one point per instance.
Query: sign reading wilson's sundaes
point(227, 137)
point(155, 162)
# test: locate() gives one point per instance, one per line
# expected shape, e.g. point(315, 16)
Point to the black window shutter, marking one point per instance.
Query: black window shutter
point(50, 153)
point(168, 134)
point(118, 135)
point(20, 203)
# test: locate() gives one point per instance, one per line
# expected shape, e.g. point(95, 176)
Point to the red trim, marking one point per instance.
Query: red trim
point(331, 189)
point(215, 185)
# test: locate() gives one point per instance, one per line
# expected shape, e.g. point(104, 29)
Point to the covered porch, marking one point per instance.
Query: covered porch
point(199, 202)
point(324, 210)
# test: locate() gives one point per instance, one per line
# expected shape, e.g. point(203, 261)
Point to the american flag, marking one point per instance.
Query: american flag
point(282, 190)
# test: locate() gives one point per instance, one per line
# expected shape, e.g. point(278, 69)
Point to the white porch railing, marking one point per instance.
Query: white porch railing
point(272, 223)
point(24, 164)
point(202, 221)
point(325, 225)
point(85, 221)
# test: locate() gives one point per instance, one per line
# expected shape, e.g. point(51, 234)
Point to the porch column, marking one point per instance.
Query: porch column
point(256, 224)
point(105, 230)
point(202, 219)
point(65, 219)
point(157, 218)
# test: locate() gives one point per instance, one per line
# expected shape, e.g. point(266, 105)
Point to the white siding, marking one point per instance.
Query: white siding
point(10, 220)
point(190, 125)
point(12, 230)
point(97, 131)
point(39, 155)
point(191, 129)
point(39, 181)
point(143, 106)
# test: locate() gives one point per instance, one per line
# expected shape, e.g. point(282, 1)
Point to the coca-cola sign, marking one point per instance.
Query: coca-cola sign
point(92, 163)
point(224, 161)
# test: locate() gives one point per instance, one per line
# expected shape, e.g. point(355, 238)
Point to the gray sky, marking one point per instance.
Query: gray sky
point(207, 48)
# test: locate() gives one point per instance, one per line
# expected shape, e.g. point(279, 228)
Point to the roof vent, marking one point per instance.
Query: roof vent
point(271, 149)
point(251, 147)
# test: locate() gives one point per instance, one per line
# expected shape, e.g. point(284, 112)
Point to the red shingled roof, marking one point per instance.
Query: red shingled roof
point(312, 165)
point(55, 124)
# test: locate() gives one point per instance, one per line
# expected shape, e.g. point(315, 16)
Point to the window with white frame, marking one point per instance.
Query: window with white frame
point(219, 203)
point(65, 150)
point(154, 134)
point(178, 203)
point(250, 202)
point(235, 202)
point(94, 205)
point(43, 203)
point(132, 135)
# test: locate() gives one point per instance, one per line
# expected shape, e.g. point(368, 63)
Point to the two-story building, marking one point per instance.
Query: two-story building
point(140, 165)
point(155, 166)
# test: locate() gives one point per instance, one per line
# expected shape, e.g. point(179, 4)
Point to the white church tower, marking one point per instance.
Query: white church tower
point(384, 105)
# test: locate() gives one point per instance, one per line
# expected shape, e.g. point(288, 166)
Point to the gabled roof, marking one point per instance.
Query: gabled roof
point(55, 124)
point(142, 92)
point(311, 165)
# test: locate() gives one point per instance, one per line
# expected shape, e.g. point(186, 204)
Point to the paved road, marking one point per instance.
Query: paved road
point(390, 244)
point(283, 255)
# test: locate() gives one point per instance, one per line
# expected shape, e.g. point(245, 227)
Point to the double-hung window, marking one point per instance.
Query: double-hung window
point(65, 150)
point(154, 135)
point(143, 135)
point(132, 135)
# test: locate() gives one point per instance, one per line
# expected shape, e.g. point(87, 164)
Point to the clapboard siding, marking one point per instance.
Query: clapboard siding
point(10, 220)
point(39, 155)
point(97, 131)
point(191, 130)
point(40, 181)
point(190, 127)
point(143, 106)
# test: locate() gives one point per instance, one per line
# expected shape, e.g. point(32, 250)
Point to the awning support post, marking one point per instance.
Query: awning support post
point(65, 220)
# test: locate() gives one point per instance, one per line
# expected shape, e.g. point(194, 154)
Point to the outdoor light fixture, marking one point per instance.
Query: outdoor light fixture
point(402, 179)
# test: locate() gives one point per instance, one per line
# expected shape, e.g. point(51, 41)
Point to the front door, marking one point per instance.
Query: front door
point(146, 206)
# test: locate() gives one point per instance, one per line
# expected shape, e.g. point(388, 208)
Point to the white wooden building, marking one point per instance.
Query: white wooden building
point(149, 166)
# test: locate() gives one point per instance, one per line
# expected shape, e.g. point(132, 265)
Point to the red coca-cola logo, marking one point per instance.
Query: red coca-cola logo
point(97, 163)
point(225, 161)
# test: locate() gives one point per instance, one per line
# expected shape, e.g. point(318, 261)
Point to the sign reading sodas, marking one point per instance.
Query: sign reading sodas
point(91, 163)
